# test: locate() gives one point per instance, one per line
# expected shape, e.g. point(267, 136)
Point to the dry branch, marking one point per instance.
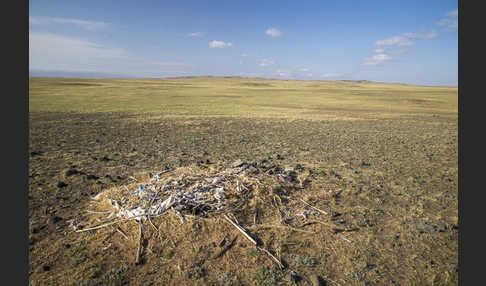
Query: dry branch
point(319, 210)
point(273, 257)
point(121, 232)
point(137, 259)
point(240, 229)
point(97, 212)
point(344, 238)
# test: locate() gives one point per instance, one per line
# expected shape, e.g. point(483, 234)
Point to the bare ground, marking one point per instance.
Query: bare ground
point(394, 180)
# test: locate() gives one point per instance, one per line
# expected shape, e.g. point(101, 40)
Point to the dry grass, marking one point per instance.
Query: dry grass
point(255, 98)
point(379, 158)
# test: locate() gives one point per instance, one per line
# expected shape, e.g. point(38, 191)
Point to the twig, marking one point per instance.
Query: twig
point(244, 187)
point(150, 221)
point(344, 238)
point(121, 232)
point(103, 225)
point(165, 171)
point(240, 229)
point(273, 257)
point(254, 242)
point(178, 215)
point(133, 178)
point(280, 226)
point(234, 217)
point(319, 210)
point(137, 259)
point(97, 212)
point(238, 188)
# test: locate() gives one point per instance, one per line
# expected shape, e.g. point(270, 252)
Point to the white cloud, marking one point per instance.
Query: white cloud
point(377, 59)
point(394, 45)
point(196, 34)
point(450, 22)
point(398, 41)
point(219, 44)
point(273, 32)
point(267, 62)
point(304, 69)
point(85, 24)
point(244, 55)
point(453, 13)
point(331, 74)
point(432, 35)
point(52, 52)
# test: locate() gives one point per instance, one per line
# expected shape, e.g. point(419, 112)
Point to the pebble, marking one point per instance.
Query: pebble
point(92, 177)
point(61, 184)
point(421, 227)
point(71, 172)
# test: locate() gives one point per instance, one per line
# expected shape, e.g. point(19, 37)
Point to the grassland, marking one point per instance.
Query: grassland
point(239, 97)
point(381, 158)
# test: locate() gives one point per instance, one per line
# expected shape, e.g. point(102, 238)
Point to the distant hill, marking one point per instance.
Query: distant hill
point(65, 74)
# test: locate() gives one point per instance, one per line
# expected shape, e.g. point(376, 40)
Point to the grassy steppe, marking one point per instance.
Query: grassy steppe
point(238, 97)
point(380, 158)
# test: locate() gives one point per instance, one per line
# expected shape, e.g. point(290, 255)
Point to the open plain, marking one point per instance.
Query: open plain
point(379, 160)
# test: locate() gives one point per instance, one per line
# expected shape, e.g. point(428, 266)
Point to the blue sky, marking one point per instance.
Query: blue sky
point(412, 42)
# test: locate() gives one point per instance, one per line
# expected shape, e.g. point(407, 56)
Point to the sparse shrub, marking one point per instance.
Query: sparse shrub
point(77, 259)
point(267, 276)
point(228, 279)
point(194, 273)
point(168, 254)
point(114, 276)
point(304, 260)
point(252, 253)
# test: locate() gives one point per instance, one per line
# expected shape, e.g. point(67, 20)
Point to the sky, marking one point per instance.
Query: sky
point(411, 42)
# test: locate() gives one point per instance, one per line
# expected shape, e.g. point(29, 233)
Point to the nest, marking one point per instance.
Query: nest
point(184, 192)
point(198, 193)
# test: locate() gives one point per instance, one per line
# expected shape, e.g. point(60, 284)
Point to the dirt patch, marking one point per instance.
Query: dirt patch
point(393, 179)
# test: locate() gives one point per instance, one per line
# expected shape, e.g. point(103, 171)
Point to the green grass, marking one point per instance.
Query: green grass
point(237, 97)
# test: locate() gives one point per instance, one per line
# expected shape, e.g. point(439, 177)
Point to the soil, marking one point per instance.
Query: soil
point(394, 180)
